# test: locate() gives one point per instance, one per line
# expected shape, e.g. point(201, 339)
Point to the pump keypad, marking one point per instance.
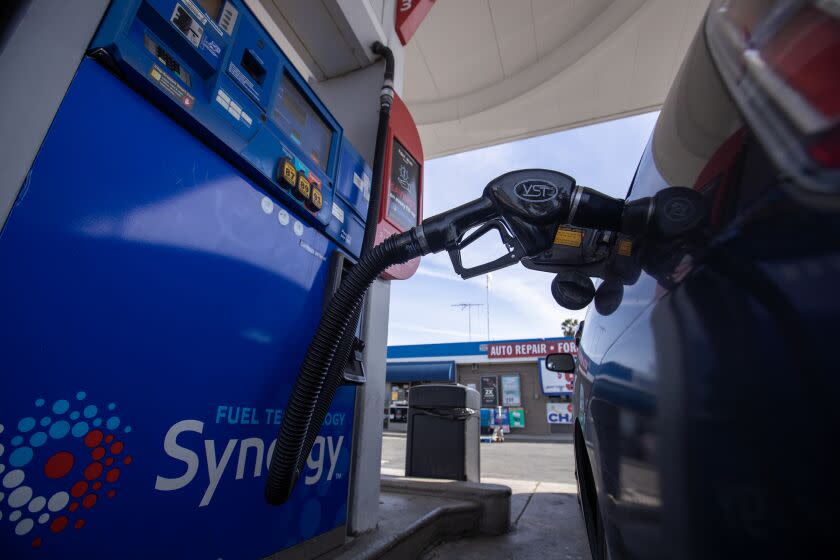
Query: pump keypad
point(305, 188)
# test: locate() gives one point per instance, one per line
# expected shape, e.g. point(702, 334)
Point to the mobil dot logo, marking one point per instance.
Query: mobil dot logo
point(58, 464)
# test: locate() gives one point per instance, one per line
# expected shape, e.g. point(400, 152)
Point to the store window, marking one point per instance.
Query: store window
point(398, 403)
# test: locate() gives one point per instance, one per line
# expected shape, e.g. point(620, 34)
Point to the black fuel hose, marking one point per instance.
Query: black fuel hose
point(332, 382)
point(321, 373)
point(284, 469)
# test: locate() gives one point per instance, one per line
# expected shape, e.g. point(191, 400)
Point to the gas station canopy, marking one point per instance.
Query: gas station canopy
point(482, 72)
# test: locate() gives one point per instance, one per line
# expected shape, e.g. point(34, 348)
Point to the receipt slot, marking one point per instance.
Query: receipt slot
point(402, 197)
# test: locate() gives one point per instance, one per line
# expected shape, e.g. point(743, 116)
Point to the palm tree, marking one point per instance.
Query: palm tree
point(569, 327)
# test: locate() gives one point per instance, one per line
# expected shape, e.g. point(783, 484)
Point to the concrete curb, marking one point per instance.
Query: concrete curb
point(443, 523)
point(451, 510)
point(493, 500)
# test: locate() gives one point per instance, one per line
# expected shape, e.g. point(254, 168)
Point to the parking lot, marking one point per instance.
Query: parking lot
point(545, 517)
point(511, 460)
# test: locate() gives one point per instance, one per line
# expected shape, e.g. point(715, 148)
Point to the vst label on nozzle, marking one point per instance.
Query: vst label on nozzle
point(535, 190)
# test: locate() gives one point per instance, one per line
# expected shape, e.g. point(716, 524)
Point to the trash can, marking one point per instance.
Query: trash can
point(443, 432)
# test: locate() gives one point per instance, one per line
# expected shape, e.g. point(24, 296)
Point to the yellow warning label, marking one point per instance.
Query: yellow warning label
point(570, 237)
point(155, 74)
point(625, 247)
point(317, 199)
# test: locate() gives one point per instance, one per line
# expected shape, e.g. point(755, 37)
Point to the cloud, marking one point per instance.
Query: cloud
point(418, 329)
point(445, 273)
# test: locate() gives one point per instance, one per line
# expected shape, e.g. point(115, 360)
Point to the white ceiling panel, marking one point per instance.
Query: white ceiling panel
point(463, 33)
point(557, 21)
point(613, 59)
point(419, 82)
point(513, 23)
point(489, 71)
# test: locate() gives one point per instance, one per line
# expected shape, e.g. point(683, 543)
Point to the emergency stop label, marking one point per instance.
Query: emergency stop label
point(169, 85)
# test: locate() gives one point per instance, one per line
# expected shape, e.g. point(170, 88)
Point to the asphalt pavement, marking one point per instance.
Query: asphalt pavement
point(513, 460)
point(545, 517)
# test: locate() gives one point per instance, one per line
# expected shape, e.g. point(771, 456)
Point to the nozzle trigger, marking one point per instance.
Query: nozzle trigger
point(514, 252)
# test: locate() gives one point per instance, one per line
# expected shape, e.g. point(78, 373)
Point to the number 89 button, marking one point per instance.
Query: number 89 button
point(303, 189)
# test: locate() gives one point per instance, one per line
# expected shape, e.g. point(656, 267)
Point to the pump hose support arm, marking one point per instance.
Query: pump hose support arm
point(386, 99)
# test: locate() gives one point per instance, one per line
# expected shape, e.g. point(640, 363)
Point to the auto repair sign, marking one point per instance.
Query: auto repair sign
point(530, 349)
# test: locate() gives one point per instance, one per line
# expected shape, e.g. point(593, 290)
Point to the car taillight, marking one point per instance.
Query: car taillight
point(781, 62)
point(805, 54)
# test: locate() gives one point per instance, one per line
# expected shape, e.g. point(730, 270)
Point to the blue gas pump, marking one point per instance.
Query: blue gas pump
point(164, 267)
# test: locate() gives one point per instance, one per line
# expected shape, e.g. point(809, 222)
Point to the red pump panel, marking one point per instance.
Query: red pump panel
point(402, 194)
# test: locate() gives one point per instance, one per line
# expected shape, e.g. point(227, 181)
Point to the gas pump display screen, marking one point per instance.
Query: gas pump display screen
point(403, 192)
point(293, 114)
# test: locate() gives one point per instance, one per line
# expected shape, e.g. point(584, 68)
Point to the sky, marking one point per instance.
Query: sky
point(602, 156)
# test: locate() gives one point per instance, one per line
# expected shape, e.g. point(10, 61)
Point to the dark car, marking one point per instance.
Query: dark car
point(704, 401)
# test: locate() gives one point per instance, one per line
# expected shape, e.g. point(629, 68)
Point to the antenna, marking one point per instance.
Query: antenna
point(487, 294)
point(468, 307)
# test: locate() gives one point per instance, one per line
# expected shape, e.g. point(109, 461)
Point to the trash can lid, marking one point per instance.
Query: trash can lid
point(443, 395)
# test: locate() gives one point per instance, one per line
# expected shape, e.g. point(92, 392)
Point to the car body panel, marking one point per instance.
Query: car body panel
point(687, 396)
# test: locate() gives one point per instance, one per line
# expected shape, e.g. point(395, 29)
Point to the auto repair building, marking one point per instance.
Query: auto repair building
point(510, 376)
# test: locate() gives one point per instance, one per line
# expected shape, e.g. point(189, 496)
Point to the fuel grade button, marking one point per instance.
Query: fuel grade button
point(304, 188)
point(286, 173)
point(316, 200)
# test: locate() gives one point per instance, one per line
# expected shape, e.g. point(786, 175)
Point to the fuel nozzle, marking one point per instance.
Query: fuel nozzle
point(525, 207)
point(671, 212)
